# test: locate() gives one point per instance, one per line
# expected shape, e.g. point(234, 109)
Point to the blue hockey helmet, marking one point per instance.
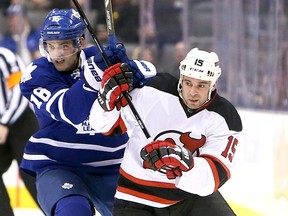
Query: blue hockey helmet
point(62, 25)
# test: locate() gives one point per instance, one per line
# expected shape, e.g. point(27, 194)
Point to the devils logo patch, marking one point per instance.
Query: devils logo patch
point(187, 139)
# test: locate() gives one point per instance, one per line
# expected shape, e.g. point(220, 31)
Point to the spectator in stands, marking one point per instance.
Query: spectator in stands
point(102, 34)
point(179, 53)
point(167, 23)
point(283, 82)
point(37, 4)
point(21, 37)
point(126, 20)
point(148, 54)
point(4, 4)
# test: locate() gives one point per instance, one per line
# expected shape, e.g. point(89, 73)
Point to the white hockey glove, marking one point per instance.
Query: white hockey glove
point(107, 123)
point(92, 74)
point(142, 71)
point(167, 158)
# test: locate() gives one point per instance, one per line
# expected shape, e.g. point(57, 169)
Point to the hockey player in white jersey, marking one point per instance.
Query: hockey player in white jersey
point(76, 168)
point(195, 135)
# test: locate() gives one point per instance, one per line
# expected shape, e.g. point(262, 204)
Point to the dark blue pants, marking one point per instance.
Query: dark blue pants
point(52, 185)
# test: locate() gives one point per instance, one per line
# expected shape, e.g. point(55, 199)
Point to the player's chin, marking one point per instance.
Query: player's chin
point(60, 69)
point(193, 104)
point(60, 65)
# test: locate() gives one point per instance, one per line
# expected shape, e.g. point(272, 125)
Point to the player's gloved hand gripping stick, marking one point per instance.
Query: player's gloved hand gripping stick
point(112, 40)
point(167, 158)
point(116, 79)
point(161, 155)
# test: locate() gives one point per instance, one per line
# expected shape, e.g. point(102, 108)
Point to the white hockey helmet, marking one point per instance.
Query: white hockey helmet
point(201, 65)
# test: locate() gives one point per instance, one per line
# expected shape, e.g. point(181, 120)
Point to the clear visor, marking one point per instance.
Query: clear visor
point(57, 50)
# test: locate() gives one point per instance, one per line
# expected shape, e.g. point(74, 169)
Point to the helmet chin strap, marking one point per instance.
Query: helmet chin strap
point(210, 92)
point(77, 64)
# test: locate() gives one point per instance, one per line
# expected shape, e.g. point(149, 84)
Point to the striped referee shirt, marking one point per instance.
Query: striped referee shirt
point(12, 103)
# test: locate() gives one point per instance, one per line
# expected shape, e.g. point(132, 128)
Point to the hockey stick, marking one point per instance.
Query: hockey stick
point(112, 42)
point(110, 23)
point(107, 62)
point(91, 31)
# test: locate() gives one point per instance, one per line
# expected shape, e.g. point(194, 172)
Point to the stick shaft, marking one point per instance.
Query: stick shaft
point(91, 31)
point(112, 41)
point(105, 58)
point(110, 23)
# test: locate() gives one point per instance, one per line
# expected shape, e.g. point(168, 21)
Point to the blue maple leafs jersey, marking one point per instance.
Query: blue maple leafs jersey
point(62, 104)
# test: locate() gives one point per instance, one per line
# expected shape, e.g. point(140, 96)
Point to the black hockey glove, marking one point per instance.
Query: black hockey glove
point(167, 158)
point(116, 79)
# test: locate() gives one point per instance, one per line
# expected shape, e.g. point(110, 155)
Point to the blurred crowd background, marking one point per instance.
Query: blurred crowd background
point(250, 37)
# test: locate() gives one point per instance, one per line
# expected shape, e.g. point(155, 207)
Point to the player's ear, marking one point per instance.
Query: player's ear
point(82, 42)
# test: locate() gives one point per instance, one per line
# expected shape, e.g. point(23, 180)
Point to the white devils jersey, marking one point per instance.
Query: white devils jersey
point(211, 133)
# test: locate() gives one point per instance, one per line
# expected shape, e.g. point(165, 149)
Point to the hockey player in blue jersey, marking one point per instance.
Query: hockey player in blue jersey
point(76, 169)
